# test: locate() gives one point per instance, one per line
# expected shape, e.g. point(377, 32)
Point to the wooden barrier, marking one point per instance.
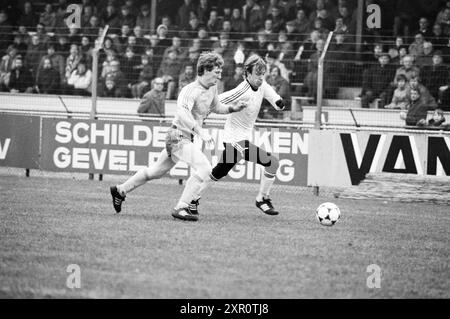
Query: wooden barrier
point(401, 187)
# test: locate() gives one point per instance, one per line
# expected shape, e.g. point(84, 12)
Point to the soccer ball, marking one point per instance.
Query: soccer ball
point(328, 214)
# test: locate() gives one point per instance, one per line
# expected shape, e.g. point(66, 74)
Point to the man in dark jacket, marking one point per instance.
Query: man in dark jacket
point(153, 101)
point(376, 82)
point(21, 79)
point(48, 79)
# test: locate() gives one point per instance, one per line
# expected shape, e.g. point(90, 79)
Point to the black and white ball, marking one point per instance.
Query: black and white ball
point(328, 214)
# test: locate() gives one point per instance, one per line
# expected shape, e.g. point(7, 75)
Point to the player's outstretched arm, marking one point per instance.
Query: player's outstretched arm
point(222, 108)
point(270, 95)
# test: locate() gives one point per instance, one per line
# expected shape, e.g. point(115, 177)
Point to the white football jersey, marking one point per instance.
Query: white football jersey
point(198, 100)
point(239, 125)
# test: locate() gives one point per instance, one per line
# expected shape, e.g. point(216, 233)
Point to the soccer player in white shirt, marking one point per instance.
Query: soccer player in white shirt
point(195, 102)
point(239, 128)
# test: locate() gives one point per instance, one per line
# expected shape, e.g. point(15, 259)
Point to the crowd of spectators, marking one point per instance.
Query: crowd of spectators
point(41, 54)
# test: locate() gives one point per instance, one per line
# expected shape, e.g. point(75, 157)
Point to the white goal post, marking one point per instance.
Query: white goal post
point(318, 121)
point(98, 46)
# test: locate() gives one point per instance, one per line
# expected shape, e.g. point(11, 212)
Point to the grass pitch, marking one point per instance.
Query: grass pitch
point(234, 251)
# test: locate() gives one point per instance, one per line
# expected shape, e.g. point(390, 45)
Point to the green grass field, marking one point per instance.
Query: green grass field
point(233, 251)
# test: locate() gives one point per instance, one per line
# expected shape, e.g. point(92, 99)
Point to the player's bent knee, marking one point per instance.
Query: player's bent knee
point(220, 170)
point(273, 167)
point(203, 173)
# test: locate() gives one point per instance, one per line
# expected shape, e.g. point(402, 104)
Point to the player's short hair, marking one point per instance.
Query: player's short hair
point(207, 61)
point(254, 61)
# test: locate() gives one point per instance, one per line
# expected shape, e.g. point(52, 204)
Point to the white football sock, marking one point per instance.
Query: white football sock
point(265, 185)
point(138, 179)
point(193, 185)
point(200, 190)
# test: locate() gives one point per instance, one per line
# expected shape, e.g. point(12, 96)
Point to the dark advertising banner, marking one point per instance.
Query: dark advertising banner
point(344, 158)
point(19, 141)
point(110, 147)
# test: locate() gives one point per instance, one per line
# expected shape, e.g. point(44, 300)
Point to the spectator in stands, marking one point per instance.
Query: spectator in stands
point(404, 19)
point(169, 71)
point(308, 46)
point(20, 44)
point(319, 26)
point(281, 86)
point(192, 57)
point(80, 80)
point(435, 76)
point(205, 41)
point(111, 18)
point(72, 61)
point(6, 66)
point(145, 78)
point(163, 41)
point(253, 15)
point(297, 6)
point(6, 31)
point(42, 34)
point(126, 17)
point(278, 21)
point(92, 28)
point(231, 82)
point(417, 111)
point(438, 39)
point(437, 120)
point(130, 64)
point(376, 82)
point(340, 27)
point(301, 24)
point(116, 75)
point(400, 100)
point(153, 102)
point(291, 33)
point(425, 94)
point(141, 42)
point(214, 24)
point(86, 15)
point(176, 46)
point(285, 50)
point(34, 54)
point(21, 79)
point(48, 18)
point(48, 79)
point(121, 41)
point(260, 46)
point(60, 16)
point(424, 28)
point(183, 14)
point(321, 13)
point(188, 76)
point(86, 47)
point(143, 19)
point(408, 68)
point(416, 48)
point(28, 18)
point(271, 36)
point(202, 11)
point(426, 58)
point(109, 89)
point(56, 60)
point(62, 46)
point(73, 37)
point(348, 19)
point(108, 48)
point(443, 18)
point(155, 52)
point(226, 14)
point(238, 25)
point(272, 60)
